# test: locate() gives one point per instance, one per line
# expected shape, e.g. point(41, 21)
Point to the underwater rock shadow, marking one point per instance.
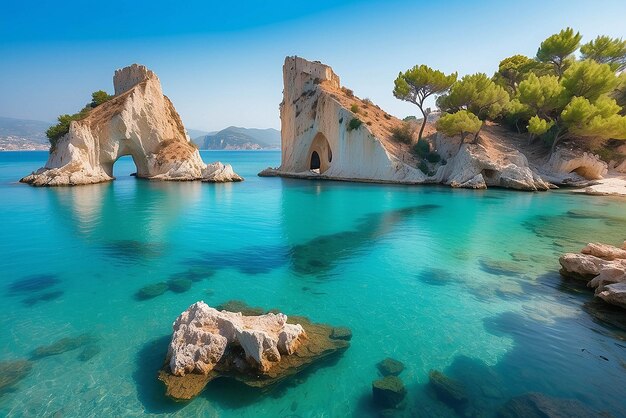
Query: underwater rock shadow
point(131, 251)
point(316, 257)
point(150, 391)
point(34, 283)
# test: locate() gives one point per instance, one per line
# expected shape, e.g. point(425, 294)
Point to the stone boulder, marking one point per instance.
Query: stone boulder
point(388, 392)
point(573, 165)
point(258, 350)
point(138, 121)
point(487, 164)
point(603, 267)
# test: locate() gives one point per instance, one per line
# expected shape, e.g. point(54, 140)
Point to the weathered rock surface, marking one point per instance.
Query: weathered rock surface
point(316, 134)
point(482, 165)
point(603, 267)
point(537, 405)
point(12, 371)
point(139, 121)
point(390, 367)
point(447, 389)
point(388, 392)
point(574, 165)
point(257, 350)
point(318, 140)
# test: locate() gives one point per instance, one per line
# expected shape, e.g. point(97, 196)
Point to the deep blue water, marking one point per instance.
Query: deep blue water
point(461, 281)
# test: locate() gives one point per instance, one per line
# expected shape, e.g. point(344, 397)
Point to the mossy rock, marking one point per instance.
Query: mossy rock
point(341, 333)
point(390, 367)
point(11, 372)
point(152, 291)
point(317, 346)
point(63, 345)
point(179, 285)
point(388, 392)
point(447, 389)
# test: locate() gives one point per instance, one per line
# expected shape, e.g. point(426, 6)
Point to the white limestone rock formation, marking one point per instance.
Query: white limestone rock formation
point(488, 164)
point(139, 121)
point(318, 140)
point(321, 138)
point(571, 166)
point(603, 266)
point(203, 335)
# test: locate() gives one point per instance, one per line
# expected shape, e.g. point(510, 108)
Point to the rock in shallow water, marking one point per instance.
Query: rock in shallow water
point(63, 345)
point(256, 350)
point(152, 291)
point(390, 367)
point(537, 405)
point(11, 372)
point(603, 267)
point(447, 389)
point(179, 285)
point(388, 392)
point(341, 333)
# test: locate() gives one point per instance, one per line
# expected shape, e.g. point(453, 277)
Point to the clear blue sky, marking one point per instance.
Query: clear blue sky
point(221, 64)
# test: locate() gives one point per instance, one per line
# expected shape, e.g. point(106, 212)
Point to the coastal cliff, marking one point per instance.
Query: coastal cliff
point(329, 133)
point(138, 121)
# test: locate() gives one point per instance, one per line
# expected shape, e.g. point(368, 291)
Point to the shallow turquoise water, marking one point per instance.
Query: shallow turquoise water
point(461, 281)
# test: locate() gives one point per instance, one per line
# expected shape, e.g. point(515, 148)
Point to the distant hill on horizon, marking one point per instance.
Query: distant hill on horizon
point(237, 138)
point(23, 134)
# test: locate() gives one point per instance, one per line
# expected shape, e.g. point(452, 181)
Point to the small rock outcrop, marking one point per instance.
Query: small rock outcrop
point(257, 350)
point(138, 121)
point(388, 392)
point(571, 166)
point(487, 164)
point(603, 267)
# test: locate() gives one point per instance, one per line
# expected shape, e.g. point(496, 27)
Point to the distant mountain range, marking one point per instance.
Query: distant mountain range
point(235, 138)
point(23, 134)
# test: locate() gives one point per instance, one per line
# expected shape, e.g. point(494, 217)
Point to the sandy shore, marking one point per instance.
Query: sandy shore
point(614, 184)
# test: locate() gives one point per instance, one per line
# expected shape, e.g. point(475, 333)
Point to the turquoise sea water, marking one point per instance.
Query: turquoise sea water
point(461, 281)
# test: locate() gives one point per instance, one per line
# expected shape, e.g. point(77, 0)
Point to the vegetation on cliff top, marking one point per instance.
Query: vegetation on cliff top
point(55, 132)
point(555, 95)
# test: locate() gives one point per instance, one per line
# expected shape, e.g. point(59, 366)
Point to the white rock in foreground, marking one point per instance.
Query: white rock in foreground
point(139, 121)
point(203, 334)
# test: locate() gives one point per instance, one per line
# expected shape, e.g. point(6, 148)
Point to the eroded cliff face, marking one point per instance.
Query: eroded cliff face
point(317, 139)
point(139, 121)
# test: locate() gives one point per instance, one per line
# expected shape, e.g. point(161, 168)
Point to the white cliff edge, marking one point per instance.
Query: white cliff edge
point(139, 121)
point(318, 141)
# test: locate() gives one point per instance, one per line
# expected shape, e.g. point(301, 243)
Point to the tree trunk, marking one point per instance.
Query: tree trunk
point(557, 138)
point(419, 135)
point(462, 142)
point(475, 140)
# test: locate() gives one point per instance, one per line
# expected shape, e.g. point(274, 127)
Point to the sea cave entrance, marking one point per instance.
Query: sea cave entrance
point(315, 161)
point(320, 154)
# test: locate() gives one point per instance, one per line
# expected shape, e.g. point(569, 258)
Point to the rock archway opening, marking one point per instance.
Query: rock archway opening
point(320, 155)
point(315, 161)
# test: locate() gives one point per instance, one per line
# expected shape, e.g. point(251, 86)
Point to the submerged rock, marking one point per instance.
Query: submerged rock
point(179, 285)
point(447, 389)
point(256, 350)
point(89, 352)
point(390, 367)
point(341, 333)
point(11, 372)
point(63, 345)
point(152, 291)
point(33, 284)
point(603, 267)
point(537, 405)
point(241, 307)
point(388, 392)
point(43, 297)
point(138, 121)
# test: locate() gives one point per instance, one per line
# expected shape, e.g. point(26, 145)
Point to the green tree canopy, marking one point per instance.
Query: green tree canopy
point(416, 84)
point(478, 94)
point(537, 126)
point(557, 49)
point(596, 120)
point(513, 70)
point(606, 50)
point(544, 95)
point(589, 79)
point(99, 97)
point(460, 123)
